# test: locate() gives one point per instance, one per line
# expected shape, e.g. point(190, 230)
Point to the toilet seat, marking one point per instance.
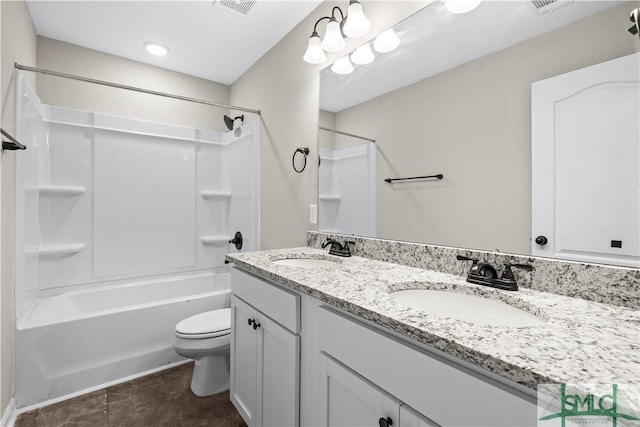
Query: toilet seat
point(210, 324)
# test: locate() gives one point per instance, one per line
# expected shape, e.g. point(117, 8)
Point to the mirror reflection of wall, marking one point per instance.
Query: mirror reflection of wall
point(472, 123)
point(347, 174)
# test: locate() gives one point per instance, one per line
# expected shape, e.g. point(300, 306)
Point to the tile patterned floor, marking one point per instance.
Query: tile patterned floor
point(161, 399)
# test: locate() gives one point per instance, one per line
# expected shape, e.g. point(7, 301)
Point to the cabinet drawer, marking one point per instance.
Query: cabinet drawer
point(280, 305)
point(449, 394)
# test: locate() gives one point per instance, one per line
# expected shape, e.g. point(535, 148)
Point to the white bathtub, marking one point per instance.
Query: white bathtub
point(83, 339)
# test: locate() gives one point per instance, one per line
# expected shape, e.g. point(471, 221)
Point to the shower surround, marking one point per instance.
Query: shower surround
point(121, 230)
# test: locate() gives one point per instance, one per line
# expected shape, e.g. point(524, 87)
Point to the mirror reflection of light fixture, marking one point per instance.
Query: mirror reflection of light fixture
point(363, 55)
point(342, 66)
point(354, 25)
point(386, 42)
point(461, 6)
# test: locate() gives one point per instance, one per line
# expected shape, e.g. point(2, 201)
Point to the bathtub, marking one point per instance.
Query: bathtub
point(86, 338)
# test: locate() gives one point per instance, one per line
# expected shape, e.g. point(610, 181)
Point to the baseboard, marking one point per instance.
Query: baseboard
point(10, 414)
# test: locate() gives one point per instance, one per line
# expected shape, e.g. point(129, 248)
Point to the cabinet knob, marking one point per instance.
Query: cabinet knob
point(256, 325)
point(385, 422)
point(249, 322)
point(541, 240)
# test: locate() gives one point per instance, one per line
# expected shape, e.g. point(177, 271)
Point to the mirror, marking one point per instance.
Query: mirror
point(455, 99)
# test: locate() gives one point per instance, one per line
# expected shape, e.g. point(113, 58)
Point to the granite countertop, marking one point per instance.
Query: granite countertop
point(579, 342)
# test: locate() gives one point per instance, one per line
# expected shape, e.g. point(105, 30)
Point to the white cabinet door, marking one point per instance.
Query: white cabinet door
point(244, 356)
point(265, 368)
point(411, 418)
point(278, 374)
point(585, 146)
point(353, 402)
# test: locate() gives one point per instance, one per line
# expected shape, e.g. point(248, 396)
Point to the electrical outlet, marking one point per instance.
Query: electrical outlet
point(313, 214)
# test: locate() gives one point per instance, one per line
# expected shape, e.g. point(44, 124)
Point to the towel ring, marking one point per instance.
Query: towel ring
point(305, 152)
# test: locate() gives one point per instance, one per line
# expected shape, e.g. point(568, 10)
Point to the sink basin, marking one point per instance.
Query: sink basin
point(305, 262)
point(470, 308)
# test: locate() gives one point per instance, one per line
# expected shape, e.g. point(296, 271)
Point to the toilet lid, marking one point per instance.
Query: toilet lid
point(209, 323)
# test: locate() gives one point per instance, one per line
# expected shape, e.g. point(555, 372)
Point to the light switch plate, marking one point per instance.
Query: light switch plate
point(313, 214)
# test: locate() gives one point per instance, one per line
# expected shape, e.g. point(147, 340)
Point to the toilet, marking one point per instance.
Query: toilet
point(206, 338)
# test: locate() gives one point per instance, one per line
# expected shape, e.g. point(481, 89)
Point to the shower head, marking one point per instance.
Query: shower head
point(229, 121)
point(635, 18)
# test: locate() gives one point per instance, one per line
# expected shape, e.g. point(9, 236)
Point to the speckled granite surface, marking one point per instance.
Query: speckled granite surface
point(580, 341)
point(593, 282)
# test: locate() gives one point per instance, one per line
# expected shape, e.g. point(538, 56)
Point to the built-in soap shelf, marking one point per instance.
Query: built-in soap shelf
point(215, 195)
point(56, 250)
point(61, 190)
point(217, 240)
point(329, 198)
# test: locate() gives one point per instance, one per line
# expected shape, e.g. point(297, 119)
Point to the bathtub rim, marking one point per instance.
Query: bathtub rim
point(26, 322)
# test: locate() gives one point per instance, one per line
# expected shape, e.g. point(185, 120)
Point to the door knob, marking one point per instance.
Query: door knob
point(385, 422)
point(541, 240)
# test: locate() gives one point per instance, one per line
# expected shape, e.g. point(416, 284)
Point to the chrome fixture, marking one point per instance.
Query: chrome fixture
point(338, 248)
point(230, 122)
point(354, 25)
point(483, 273)
point(132, 88)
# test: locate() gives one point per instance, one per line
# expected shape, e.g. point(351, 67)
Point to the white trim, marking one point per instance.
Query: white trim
point(10, 414)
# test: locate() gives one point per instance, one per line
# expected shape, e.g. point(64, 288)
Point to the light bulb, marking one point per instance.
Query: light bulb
point(362, 55)
point(156, 48)
point(333, 41)
point(356, 25)
point(342, 66)
point(386, 41)
point(314, 53)
point(461, 6)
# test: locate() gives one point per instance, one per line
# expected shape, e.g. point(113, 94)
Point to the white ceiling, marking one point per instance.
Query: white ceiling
point(434, 40)
point(205, 39)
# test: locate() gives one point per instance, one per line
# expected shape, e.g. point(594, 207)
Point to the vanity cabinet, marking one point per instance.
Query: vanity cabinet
point(265, 352)
point(354, 401)
point(353, 372)
point(438, 391)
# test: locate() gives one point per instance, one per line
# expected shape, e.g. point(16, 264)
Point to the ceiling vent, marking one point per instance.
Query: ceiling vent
point(239, 6)
point(547, 6)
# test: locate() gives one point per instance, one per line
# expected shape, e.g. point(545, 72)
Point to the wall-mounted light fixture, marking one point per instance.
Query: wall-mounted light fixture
point(355, 24)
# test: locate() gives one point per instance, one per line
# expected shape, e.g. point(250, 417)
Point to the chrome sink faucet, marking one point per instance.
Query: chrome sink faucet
point(338, 248)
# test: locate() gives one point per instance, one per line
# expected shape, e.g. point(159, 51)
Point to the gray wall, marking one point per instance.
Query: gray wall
point(72, 59)
point(17, 44)
point(473, 124)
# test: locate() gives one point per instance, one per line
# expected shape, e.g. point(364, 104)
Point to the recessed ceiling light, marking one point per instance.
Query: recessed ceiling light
point(156, 48)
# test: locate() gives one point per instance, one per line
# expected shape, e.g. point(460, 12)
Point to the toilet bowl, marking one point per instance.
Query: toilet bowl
point(206, 338)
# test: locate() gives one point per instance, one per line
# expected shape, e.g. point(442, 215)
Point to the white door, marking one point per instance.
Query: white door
point(353, 402)
point(278, 374)
point(244, 357)
point(585, 143)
